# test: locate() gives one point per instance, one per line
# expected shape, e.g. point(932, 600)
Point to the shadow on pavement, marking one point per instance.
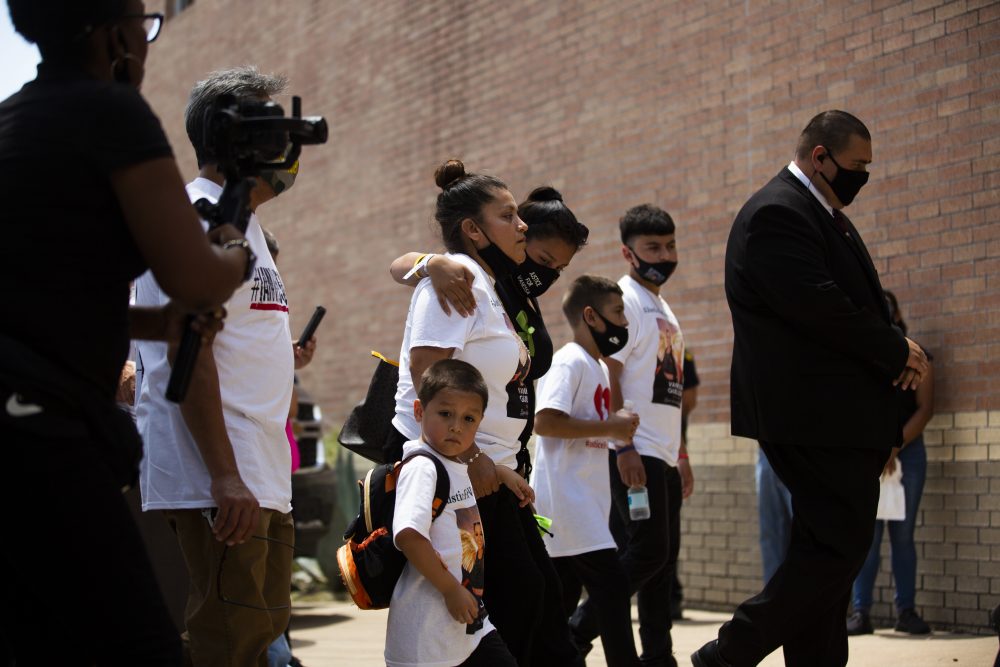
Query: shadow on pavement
point(309, 621)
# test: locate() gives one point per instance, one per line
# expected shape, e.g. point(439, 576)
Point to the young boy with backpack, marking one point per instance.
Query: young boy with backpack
point(436, 615)
point(575, 428)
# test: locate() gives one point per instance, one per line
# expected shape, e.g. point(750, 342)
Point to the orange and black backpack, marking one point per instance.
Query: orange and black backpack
point(370, 564)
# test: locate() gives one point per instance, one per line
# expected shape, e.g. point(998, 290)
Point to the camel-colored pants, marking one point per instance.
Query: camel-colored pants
point(238, 601)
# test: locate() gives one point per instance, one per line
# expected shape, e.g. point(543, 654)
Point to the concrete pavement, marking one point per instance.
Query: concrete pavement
point(338, 634)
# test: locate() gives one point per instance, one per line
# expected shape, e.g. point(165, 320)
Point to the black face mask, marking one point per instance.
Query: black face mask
point(500, 264)
point(612, 339)
point(655, 272)
point(847, 183)
point(533, 278)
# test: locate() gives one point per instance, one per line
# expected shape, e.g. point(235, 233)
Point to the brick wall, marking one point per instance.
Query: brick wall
point(958, 525)
point(692, 106)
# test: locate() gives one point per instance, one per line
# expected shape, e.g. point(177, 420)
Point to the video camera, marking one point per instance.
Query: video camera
point(244, 138)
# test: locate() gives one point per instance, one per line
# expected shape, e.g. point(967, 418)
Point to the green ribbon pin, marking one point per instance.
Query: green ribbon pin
point(526, 332)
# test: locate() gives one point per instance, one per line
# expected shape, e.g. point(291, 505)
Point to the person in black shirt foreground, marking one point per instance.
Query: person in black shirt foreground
point(92, 196)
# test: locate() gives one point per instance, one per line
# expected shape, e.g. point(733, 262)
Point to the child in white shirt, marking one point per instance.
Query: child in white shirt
point(436, 616)
point(648, 371)
point(575, 428)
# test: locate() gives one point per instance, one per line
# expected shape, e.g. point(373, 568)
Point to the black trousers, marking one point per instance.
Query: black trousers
point(802, 608)
point(648, 554)
point(522, 595)
point(491, 652)
point(602, 574)
point(107, 608)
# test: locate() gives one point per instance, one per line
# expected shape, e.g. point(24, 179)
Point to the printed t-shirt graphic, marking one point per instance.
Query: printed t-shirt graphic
point(602, 401)
point(470, 531)
point(267, 292)
point(518, 402)
point(668, 378)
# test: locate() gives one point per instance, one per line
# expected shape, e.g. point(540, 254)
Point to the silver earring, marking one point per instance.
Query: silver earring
point(123, 60)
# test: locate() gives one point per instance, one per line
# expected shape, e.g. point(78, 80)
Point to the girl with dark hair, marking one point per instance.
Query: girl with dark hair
point(484, 234)
point(92, 197)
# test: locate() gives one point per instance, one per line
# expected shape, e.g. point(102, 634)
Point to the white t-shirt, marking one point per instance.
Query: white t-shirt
point(256, 365)
point(570, 476)
point(486, 340)
point(420, 631)
point(653, 371)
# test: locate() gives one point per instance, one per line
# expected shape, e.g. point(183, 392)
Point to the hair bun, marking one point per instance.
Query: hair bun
point(448, 173)
point(545, 193)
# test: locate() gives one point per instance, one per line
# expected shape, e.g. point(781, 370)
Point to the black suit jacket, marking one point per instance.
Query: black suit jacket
point(815, 353)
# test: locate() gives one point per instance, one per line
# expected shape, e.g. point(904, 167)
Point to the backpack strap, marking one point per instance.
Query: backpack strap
point(443, 487)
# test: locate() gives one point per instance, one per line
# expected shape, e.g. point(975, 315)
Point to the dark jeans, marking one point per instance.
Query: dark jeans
point(491, 652)
point(106, 609)
point(522, 595)
point(913, 459)
point(602, 574)
point(648, 556)
point(802, 608)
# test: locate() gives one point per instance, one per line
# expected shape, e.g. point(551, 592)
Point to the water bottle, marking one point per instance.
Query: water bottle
point(638, 497)
point(638, 503)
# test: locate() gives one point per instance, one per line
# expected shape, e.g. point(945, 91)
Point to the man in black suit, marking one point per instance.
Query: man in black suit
point(815, 365)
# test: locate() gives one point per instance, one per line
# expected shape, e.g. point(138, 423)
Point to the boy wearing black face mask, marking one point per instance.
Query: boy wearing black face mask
point(648, 371)
point(575, 428)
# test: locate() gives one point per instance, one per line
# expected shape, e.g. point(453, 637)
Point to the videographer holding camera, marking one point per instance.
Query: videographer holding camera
point(92, 197)
point(217, 466)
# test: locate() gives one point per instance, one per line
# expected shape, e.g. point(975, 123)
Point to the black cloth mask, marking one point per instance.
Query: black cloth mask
point(655, 272)
point(500, 264)
point(612, 339)
point(533, 278)
point(847, 183)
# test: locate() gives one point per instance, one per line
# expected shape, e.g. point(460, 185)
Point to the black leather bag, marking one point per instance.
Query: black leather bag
point(368, 426)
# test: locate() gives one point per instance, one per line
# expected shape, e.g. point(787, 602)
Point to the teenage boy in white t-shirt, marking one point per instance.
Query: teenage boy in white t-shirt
point(648, 371)
point(575, 428)
point(436, 616)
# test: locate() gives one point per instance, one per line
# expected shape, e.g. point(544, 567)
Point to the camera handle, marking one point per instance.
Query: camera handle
point(234, 208)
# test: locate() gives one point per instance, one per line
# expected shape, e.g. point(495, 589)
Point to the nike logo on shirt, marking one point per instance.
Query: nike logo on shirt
point(15, 408)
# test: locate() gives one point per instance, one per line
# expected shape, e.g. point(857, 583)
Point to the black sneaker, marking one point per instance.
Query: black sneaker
point(858, 623)
point(910, 622)
point(709, 656)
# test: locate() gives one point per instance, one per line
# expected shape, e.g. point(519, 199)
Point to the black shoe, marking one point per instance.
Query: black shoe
point(910, 622)
point(858, 623)
point(708, 656)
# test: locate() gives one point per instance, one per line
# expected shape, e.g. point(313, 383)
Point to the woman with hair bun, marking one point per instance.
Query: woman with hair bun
point(485, 236)
point(554, 236)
